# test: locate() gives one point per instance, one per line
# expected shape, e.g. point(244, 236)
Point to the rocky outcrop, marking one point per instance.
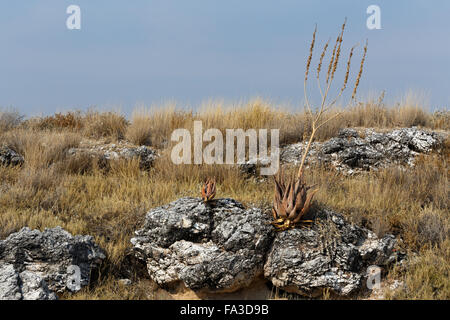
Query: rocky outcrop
point(9, 157)
point(25, 285)
point(217, 246)
point(109, 152)
point(352, 152)
point(333, 255)
point(36, 265)
point(145, 154)
point(222, 247)
point(253, 167)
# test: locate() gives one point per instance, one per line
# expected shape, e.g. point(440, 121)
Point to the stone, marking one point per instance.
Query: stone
point(220, 247)
point(145, 154)
point(350, 153)
point(331, 255)
point(125, 282)
point(9, 279)
point(251, 167)
point(216, 247)
point(110, 152)
point(9, 157)
point(35, 287)
point(415, 139)
point(348, 133)
point(36, 265)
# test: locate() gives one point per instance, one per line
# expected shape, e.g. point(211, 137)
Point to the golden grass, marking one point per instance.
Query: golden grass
point(153, 126)
point(105, 124)
point(111, 289)
point(427, 276)
point(92, 124)
point(51, 189)
point(9, 119)
point(41, 148)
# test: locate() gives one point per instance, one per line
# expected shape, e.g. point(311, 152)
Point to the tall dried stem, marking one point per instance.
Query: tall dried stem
point(317, 118)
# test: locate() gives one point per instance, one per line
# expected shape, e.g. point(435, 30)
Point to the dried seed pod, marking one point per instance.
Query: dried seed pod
point(358, 78)
point(311, 49)
point(324, 51)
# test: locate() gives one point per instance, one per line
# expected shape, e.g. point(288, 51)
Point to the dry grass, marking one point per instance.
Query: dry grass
point(392, 200)
point(106, 124)
point(427, 276)
point(41, 148)
point(153, 126)
point(69, 120)
point(92, 124)
point(9, 119)
point(51, 189)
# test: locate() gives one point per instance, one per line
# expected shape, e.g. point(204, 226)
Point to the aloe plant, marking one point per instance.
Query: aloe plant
point(209, 189)
point(292, 197)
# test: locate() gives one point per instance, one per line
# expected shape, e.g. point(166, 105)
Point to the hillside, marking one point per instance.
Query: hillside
point(97, 173)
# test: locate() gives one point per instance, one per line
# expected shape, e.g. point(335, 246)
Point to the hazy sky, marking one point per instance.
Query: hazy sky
point(149, 51)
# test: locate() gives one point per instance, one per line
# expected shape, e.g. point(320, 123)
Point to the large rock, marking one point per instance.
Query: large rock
point(221, 247)
point(110, 152)
point(333, 254)
point(145, 154)
point(9, 157)
point(253, 167)
point(36, 265)
point(350, 153)
point(217, 246)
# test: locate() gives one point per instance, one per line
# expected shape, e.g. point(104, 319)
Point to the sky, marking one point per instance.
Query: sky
point(147, 52)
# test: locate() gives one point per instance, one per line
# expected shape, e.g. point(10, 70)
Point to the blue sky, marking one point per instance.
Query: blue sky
point(151, 51)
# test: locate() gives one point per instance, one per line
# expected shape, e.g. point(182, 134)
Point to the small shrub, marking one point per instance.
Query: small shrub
point(441, 119)
point(106, 124)
point(69, 120)
point(38, 179)
point(427, 276)
point(41, 148)
point(82, 163)
point(140, 130)
point(9, 120)
point(428, 229)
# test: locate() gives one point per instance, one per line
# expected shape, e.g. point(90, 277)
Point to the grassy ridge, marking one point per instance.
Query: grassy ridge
point(52, 189)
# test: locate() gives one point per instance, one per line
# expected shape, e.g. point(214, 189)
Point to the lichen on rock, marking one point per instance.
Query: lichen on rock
point(332, 255)
point(217, 246)
point(36, 265)
point(350, 152)
point(9, 157)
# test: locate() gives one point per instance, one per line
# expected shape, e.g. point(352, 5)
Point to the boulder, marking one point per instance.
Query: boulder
point(36, 265)
point(415, 139)
point(110, 152)
point(292, 154)
point(333, 254)
point(145, 154)
point(218, 246)
point(221, 247)
point(9, 157)
point(350, 153)
point(253, 167)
